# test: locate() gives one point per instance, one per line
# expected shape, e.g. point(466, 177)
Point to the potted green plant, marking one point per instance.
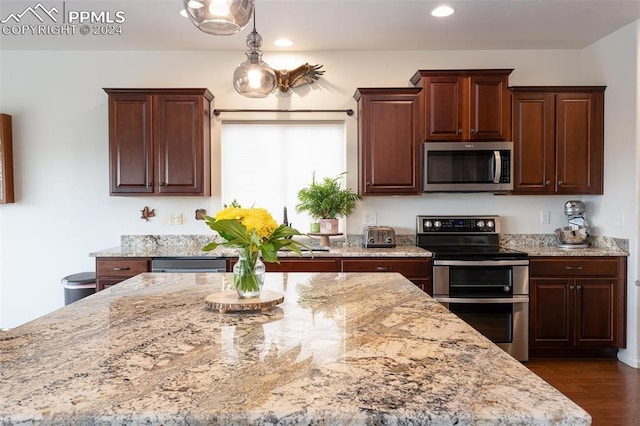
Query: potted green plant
point(326, 200)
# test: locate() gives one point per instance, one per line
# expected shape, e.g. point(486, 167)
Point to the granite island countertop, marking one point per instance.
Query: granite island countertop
point(342, 349)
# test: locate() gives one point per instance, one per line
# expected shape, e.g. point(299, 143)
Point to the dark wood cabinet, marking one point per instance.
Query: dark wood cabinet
point(389, 141)
point(464, 105)
point(297, 264)
point(112, 270)
point(417, 270)
point(577, 306)
point(6, 160)
point(558, 135)
point(159, 141)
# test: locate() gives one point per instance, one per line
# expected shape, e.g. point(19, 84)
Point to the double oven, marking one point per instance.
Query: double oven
point(486, 285)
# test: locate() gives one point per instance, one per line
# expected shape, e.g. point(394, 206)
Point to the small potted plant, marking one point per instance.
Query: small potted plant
point(327, 200)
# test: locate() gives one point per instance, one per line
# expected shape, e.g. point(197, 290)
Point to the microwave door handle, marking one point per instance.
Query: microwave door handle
point(497, 167)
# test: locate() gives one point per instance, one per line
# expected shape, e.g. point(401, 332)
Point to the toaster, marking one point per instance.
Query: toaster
point(379, 237)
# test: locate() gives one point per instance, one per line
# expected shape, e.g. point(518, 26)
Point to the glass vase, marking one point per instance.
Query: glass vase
point(248, 273)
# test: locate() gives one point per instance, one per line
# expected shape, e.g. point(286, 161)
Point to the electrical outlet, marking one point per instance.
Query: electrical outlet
point(370, 218)
point(545, 217)
point(618, 220)
point(175, 218)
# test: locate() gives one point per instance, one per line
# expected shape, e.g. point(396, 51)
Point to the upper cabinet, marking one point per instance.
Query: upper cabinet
point(389, 140)
point(6, 160)
point(465, 105)
point(160, 141)
point(558, 137)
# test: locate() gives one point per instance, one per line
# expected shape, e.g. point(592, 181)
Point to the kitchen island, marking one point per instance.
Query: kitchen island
point(343, 348)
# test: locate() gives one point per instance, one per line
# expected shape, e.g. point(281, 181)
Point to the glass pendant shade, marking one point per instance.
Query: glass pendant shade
point(219, 17)
point(254, 78)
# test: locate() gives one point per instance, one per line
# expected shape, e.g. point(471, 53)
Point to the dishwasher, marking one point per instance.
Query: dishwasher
point(189, 264)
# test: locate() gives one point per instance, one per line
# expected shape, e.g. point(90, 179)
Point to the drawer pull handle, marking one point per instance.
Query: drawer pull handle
point(573, 267)
point(384, 268)
point(121, 268)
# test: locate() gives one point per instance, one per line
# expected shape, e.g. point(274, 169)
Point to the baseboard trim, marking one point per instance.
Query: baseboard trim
point(632, 362)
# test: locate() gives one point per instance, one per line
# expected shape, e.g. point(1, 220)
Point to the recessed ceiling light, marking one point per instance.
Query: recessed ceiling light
point(283, 42)
point(183, 13)
point(442, 11)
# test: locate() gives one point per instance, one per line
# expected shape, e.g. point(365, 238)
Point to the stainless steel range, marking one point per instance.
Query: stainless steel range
point(484, 284)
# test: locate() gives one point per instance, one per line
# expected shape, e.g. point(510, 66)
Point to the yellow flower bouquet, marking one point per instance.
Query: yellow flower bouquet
point(254, 233)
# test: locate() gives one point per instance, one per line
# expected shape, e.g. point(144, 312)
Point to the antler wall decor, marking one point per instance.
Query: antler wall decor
point(304, 74)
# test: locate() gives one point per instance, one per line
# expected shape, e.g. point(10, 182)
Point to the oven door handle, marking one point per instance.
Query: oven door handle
point(512, 300)
point(524, 262)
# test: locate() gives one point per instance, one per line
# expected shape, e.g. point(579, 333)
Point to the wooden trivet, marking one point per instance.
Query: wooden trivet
point(229, 301)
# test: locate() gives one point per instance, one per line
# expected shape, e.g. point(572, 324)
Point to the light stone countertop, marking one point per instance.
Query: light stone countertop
point(191, 246)
point(196, 251)
point(342, 349)
point(538, 245)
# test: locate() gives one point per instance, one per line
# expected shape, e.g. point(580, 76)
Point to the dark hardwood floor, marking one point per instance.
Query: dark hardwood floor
point(607, 389)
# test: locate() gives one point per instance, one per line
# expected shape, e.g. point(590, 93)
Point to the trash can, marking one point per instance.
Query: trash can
point(77, 286)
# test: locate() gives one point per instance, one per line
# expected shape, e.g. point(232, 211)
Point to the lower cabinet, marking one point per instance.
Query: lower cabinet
point(325, 264)
point(417, 269)
point(577, 306)
point(112, 270)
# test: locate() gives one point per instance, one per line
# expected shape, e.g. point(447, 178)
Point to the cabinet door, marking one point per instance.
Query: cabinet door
point(551, 314)
point(389, 136)
point(131, 143)
point(534, 142)
point(595, 310)
point(443, 108)
point(179, 136)
point(489, 108)
point(579, 143)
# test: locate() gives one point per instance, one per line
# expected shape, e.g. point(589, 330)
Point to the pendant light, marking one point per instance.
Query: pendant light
point(254, 78)
point(219, 17)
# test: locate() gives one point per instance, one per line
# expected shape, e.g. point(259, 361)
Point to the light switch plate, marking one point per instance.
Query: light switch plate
point(545, 217)
point(370, 218)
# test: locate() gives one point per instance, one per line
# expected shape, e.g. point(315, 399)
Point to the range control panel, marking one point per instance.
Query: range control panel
point(458, 224)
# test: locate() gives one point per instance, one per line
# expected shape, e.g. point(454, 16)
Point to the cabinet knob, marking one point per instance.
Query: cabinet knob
point(559, 183)
point(149, 184)
point(473, 130)
point(578, 287)
point(570, 268)
point(121, 268)
point(547, 183)
point(571, 287)
point(459, 131)
point(383, 268)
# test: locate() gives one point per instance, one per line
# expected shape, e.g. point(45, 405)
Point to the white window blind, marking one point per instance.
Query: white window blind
point(266, 164)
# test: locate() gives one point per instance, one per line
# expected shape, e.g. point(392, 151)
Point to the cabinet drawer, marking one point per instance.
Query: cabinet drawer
point(574, 267)
point(303, 265)
point(121, 267)
point(410, 268)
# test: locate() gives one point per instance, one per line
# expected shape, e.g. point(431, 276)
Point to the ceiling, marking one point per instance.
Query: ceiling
point(340, 25)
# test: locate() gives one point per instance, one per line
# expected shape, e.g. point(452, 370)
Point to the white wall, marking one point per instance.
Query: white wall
point(614, 59)
point(63, 210)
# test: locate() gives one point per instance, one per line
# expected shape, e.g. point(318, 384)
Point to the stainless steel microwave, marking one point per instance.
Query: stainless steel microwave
point(468, 167)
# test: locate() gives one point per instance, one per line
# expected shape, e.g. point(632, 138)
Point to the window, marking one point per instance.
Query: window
point(266, 164)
